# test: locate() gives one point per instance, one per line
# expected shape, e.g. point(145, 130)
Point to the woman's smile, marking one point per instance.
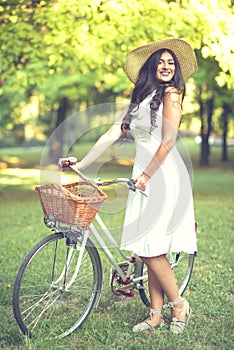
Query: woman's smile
point(166, 67)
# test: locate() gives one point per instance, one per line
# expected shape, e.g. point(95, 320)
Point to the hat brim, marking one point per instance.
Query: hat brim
point(183, 51)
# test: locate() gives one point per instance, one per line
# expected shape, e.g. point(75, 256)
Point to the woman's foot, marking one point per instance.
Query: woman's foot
point(180, 313)
point(153, 321)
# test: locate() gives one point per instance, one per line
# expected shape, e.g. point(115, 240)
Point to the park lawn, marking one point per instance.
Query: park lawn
point(210, 290)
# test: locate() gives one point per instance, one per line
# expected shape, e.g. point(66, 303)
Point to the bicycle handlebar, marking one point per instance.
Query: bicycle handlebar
point(71, 162)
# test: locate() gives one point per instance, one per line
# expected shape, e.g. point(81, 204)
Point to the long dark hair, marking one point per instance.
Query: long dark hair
point(147, 83)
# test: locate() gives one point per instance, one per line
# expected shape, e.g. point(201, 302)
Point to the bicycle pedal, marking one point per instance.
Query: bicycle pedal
point(125, 292)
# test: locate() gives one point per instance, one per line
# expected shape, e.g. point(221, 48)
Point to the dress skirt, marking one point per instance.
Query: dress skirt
point(162, 220)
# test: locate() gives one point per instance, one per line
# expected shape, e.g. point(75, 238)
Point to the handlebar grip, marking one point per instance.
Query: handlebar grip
point(66, 162)
point(72, 160)
point(131, 185)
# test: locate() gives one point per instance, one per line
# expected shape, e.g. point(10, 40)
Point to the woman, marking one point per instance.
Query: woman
point(164, 220)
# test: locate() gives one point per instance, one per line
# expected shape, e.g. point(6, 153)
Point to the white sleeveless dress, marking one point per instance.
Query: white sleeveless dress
point(163, 221)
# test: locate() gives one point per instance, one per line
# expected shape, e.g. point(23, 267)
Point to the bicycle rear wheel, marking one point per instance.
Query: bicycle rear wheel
point(182, 266)
point(47, 303)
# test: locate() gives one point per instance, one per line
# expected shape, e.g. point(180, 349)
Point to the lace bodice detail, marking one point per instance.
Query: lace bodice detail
point(141, 122)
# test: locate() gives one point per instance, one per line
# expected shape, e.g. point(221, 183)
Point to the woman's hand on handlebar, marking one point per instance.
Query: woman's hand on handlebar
point(141, 182)
point(65, 163)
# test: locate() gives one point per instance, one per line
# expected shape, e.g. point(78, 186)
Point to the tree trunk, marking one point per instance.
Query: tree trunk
point(204, 159)
point(56, 150)
point(206, 119)
point(226, 111)
point(19, 133)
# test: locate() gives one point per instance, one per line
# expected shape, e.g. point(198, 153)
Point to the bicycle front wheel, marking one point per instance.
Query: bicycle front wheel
point(55, 290)
point(182, 266)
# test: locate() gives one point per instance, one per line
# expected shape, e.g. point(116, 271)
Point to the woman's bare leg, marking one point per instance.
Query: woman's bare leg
point(155, 291)
point(162, 280)
point(161, 270)
point(157, 300)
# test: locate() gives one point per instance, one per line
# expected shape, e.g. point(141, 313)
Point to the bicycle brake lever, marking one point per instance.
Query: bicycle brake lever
point(132, 187)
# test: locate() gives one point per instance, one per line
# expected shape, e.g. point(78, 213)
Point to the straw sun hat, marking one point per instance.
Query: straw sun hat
point(183, 51)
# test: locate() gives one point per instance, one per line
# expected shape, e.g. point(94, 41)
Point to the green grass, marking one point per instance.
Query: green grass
point(210, 290)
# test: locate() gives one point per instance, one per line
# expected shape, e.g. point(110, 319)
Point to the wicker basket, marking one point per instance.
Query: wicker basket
point(74, 204)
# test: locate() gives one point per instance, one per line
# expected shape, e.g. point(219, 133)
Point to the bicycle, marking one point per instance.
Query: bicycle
point(60, 280)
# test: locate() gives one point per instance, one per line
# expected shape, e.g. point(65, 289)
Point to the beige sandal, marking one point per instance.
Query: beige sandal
point(177, 326)
point(145, 326)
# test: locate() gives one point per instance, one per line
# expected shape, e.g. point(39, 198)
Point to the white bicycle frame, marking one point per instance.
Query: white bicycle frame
point(131, 260)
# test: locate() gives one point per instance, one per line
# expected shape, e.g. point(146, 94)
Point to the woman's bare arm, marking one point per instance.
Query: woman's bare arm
point(103, 143)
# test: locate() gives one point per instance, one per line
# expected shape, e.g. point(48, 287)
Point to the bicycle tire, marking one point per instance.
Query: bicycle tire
point(42, 308)
point(182, 266)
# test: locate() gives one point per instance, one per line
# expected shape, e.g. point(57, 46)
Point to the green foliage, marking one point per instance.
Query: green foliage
point(83, 38)
point(76, 50)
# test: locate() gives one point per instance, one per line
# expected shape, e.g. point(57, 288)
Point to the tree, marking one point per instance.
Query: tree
point(212, 30)
point(74, 51)
point(225, 97)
